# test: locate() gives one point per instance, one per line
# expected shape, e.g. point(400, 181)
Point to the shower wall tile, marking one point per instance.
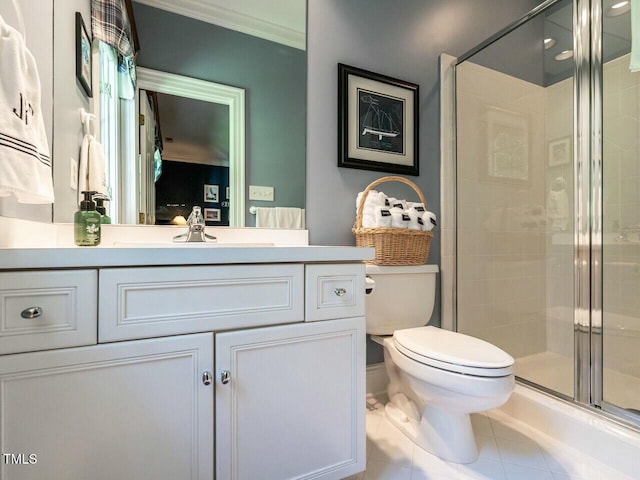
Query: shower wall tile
point(501, 224)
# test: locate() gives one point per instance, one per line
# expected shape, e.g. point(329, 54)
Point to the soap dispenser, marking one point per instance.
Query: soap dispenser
point(86, 221)
point(102, 210)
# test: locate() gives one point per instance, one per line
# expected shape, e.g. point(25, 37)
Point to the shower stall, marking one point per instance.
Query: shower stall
point(547, 201)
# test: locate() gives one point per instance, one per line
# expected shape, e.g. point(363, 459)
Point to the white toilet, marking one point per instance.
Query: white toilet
point(437, 377)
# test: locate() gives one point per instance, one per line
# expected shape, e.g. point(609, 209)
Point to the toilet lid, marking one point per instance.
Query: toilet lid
point(453, 351)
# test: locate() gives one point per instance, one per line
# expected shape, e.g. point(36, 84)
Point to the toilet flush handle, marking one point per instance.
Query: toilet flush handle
point(369, 284)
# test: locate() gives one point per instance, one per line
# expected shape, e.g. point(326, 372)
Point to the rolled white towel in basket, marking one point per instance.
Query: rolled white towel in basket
point(429, 219)
point(397, 203)
point(383, 217)
point(374, 198)
point(415, 222)
point(398, 218)
point(419, 206)
point(369, 219)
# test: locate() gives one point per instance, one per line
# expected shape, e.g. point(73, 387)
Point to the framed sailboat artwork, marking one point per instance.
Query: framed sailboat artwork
point(377, 122)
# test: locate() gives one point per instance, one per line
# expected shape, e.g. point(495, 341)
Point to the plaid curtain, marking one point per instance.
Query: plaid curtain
point(110, 24)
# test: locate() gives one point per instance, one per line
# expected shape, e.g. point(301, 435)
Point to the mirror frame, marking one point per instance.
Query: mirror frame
point(234, 98)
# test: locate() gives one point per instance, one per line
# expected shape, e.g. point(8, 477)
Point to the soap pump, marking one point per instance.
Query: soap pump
point(86, 221)
point(101, 209)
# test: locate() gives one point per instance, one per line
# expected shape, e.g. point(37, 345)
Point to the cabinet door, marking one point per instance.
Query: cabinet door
point(293, 405)
point(131, 410)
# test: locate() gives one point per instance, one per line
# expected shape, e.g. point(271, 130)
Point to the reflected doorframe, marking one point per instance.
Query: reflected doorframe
point(234, 98)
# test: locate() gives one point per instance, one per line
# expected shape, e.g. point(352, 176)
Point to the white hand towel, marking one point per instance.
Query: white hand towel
point(266, 217)
point(290, 217)
point(280, 217)
point(91, 172)
point(382, 217)
point(25, 164)
point(429, 220)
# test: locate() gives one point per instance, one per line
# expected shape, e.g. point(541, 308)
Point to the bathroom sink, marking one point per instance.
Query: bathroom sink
point(189, 245)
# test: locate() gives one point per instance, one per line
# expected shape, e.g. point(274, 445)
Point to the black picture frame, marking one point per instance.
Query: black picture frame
point(377, 122)
point(84, 72)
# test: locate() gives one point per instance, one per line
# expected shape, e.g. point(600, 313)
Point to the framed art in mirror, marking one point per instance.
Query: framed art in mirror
point(507, 146)
point(83, 55)
point(377, 122)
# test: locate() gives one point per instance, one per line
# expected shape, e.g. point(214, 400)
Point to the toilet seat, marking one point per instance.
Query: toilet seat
point(454, 352)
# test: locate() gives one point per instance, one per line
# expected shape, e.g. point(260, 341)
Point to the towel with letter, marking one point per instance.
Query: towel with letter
point(25, 163)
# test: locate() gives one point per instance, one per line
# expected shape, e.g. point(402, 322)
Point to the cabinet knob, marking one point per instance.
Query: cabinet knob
point(207, 378)
point(32, 312)
point(341, 292)
point(225, 376)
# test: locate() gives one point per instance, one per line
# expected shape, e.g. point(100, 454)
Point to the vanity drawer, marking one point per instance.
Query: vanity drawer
point(49, 309)
point(159, 301)
point(334, 291)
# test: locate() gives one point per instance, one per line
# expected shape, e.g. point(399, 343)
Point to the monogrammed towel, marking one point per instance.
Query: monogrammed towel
point(25, 164)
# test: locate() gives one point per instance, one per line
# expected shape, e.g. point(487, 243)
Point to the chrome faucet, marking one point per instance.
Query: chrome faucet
point(195, 225)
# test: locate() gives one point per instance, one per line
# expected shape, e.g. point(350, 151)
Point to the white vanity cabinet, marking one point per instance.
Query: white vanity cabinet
point(128, 410)
point(287, 388)
point(290, 401)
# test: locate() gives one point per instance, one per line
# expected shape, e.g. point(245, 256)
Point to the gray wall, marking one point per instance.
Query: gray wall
point(401, 39)
point(274, 79)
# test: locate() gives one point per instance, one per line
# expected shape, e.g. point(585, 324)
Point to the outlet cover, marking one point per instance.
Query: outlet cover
point(264, 194)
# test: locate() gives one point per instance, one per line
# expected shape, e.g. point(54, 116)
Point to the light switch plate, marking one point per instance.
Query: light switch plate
point(261, 193)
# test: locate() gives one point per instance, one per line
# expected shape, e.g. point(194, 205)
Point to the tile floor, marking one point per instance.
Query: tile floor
point(509, 450)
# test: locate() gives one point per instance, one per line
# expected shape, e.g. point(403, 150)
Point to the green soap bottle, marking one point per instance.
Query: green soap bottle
point(86, 231)
point(102, 210)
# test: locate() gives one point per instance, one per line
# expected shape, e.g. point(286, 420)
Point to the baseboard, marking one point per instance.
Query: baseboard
point(377, 380)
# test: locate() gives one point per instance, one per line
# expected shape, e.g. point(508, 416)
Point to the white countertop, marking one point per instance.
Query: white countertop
point(80, 257)
point(29, 245)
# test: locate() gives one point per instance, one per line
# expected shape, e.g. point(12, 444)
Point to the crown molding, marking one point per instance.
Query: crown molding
point(233, 20)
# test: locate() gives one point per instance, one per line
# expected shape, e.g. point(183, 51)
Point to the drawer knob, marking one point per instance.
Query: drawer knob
point(32, 312)
point(225, 376)
point(207, 378)
point(341, 292)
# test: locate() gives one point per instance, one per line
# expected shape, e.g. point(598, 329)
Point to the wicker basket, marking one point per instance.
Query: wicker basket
point(394, 246)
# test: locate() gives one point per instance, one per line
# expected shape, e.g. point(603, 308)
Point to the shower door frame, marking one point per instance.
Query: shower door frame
point(588, 201)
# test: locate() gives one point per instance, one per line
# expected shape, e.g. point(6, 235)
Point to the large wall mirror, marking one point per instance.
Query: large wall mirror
point(254, 46)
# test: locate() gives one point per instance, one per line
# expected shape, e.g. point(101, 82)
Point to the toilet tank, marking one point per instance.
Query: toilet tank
point(402, 297)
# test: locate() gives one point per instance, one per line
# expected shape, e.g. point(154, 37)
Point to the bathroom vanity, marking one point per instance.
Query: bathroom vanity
point(193, 363)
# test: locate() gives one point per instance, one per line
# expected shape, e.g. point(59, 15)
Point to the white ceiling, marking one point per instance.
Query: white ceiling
point(282, 21)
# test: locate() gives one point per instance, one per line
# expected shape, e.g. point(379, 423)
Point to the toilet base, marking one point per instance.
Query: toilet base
point(446, 434)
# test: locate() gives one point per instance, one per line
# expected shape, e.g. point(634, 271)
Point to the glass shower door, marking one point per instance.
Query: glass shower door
point(548, 201)
point(620, 342)
point(515, 184)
